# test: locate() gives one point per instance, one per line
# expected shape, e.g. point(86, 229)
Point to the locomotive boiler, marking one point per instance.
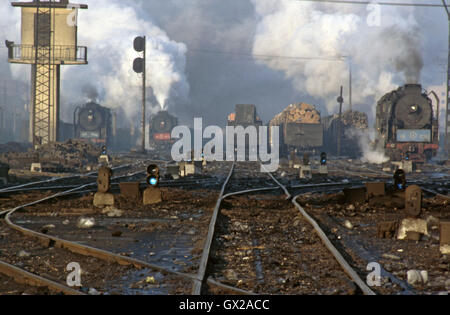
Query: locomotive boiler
point(92, 123)
point(161, 126)
point(406, 125)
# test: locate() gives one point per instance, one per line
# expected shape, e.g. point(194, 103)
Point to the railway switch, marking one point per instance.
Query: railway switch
point(413, 201)
point(305, 168)
point(103, 198)
point(152, 195)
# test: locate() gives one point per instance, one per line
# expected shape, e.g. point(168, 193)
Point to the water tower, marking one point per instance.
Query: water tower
point(49, 40)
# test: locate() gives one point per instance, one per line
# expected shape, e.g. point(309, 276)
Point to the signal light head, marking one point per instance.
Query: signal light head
point(153, 175)
point(152, 181)
point(400, 180)
point(323, 159)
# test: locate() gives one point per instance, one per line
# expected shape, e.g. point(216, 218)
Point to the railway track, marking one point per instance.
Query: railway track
point(23, 276)
point(203, 276)
point(205, 279)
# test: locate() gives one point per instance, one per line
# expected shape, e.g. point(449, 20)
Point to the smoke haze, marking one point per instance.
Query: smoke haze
point(207, 56)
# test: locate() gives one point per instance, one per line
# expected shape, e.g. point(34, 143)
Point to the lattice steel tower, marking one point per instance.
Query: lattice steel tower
point(49, 40)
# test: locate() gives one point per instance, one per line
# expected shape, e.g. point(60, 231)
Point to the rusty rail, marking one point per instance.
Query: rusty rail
point(27, 278)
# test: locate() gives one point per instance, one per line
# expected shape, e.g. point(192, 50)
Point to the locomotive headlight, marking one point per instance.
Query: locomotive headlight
point(90, 116)
point(414, 108)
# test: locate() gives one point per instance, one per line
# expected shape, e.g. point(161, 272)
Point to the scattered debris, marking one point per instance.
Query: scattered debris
point(348, 225)
point(387, 229)
point(417, 278)
point(70, 156)
point(409, 228)
point(112, 212)
point(231, 275)
point(23, 254)
point(150, 280)
point(93, 291)
point(391, 257)
point(117, 234)
point(86, 223)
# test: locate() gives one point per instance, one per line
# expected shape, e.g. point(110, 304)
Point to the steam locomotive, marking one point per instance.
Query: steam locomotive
point(161, 126)
point(406, 125)
point(245, 115)
point(92, 123)
point(301, 130)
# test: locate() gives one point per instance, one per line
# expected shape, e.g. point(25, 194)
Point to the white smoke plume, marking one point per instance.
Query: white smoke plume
point(382, 56)
point(108, 29)
point(372, 152)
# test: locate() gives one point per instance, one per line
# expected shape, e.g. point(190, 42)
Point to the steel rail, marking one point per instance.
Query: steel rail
point(55, 179)
point(436, 193)
point(198, 283)
point(83, 249)
point(347, 268)
point(340, 259)
point(100, 254)
point(24, 277)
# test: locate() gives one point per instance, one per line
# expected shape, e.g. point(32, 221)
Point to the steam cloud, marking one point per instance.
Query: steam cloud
point(366, 140)
point(108, 28)
point(378, 53)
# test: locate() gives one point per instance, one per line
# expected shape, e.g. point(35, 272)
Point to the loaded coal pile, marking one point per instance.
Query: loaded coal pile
point(297, 113)
point(70, 156)
point(350, 120)
point(355, 119)
point(354, 123)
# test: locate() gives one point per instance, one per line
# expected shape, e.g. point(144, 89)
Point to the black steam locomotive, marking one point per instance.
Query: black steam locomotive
point(406, 125)
point(92, 123)
point(245, 115)
point(161, 126)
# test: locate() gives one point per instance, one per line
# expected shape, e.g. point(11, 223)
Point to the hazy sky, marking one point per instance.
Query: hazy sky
point(208, 55)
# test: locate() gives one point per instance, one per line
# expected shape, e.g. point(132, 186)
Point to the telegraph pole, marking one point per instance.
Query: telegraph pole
point(350, 94)
point(139, 67)
point(340, 101)
point(447, 109)
point(144, 78)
